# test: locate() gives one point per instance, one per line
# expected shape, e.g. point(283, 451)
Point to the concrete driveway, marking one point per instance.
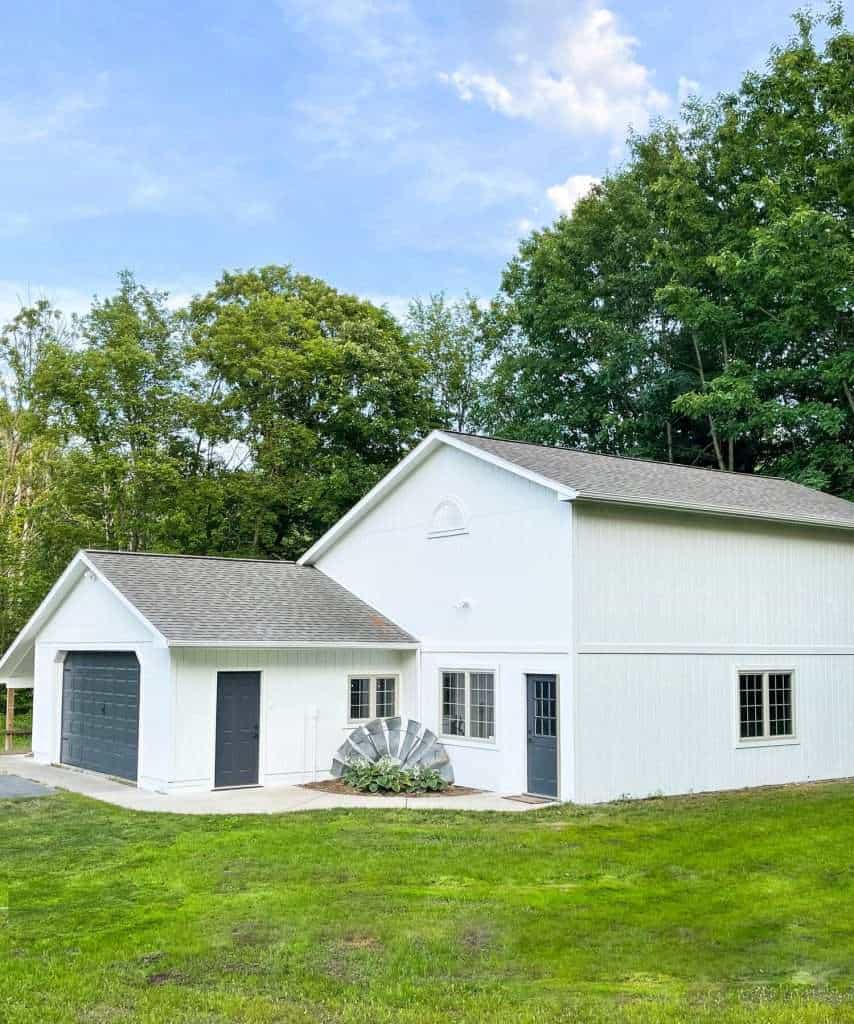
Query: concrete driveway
point(261, 800)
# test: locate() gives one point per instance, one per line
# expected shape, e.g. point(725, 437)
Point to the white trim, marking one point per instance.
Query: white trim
point(489, 742)
point(496, 649)
point(771, 650)
point(418, 454)
point(57, 593)
point(295, 645)
point(791, 739)
point(372, 677)
point(724, 511)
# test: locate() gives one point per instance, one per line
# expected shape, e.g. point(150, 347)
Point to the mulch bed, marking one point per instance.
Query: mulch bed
point(339, 787)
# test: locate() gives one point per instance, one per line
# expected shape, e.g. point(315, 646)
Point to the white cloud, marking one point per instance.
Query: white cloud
point(586, 80)
point(565, 196)
point(687, 88)
point(397, 305)
point(22, 126)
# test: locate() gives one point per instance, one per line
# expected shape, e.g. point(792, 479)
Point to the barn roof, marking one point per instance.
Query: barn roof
point(645, 482)
point(199, 600)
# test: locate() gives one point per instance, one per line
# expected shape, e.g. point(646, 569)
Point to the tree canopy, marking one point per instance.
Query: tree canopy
point(697, 305)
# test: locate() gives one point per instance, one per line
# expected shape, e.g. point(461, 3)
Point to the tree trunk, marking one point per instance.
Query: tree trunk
point(669, 431)
point(712, 428)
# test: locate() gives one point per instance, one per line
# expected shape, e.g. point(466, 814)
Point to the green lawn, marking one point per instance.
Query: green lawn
point(729, 908)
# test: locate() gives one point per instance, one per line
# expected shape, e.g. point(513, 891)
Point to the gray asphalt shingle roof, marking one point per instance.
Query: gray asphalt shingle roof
point(642, 481)
point(197, 600)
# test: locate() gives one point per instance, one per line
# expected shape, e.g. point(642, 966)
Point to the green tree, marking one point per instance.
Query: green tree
point(315, 393)
point(116, 398)
point(34, 535)
point(452, 339)
point(697, 305)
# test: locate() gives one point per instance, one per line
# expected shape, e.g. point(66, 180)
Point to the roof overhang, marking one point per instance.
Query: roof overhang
point(721, 511)
point(435, 440)
point(300, 645)
point(77, 568)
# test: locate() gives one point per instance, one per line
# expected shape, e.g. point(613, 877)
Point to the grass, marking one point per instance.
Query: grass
point(20, 744)
point(732, 908)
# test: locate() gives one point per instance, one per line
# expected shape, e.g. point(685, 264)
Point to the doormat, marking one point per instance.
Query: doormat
point(528, 798)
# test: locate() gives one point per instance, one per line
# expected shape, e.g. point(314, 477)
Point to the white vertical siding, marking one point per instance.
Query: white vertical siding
point(510, 568)
point(668, 578)
point(667, 608)
point(666, 724)
point(304, 706)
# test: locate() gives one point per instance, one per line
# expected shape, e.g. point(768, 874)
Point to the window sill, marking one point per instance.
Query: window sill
point(467, 741)
point(787, 741)
point(436, 534)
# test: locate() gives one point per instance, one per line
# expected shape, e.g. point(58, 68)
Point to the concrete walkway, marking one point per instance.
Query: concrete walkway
point(264, 800)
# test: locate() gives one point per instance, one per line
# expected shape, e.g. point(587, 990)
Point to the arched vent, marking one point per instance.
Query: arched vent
point(448, 519)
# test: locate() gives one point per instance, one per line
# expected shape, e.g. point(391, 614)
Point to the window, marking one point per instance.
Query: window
point(468, 704)
point(372, 697)
point(765, 706)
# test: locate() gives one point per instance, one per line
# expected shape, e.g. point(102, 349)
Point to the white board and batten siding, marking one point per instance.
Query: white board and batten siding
point(474, 561)
point(92, 618)
point(304, 706)
point(668, 608)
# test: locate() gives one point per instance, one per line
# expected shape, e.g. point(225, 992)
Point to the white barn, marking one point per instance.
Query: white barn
point(572, 625)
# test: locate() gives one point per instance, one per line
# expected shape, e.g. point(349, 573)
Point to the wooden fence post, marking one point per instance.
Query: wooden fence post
point(10, 719)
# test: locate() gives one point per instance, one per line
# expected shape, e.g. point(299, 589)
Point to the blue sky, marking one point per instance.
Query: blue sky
point(392, 147)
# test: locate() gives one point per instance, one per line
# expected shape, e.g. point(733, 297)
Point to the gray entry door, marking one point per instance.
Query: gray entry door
point(100, 712)
point(542, 735)
point(238, 722)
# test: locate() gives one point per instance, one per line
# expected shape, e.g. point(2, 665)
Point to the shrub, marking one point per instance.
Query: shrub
point(386, 776)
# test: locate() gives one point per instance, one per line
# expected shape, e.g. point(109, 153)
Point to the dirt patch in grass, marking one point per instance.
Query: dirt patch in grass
point(167, 978)
point(340, 787)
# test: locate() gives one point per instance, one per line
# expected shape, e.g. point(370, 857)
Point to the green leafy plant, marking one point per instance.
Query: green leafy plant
point(386, 776)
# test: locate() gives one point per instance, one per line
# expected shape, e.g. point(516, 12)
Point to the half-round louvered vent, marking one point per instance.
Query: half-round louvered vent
point(448, 519)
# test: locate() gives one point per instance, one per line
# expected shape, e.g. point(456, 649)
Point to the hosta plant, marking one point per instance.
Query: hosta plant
point(388, 776)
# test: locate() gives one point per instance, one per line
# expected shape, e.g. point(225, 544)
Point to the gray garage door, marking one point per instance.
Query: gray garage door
point(100, 712)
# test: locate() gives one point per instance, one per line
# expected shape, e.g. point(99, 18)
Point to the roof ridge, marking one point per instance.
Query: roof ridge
point(632, 458)
point(201, 558)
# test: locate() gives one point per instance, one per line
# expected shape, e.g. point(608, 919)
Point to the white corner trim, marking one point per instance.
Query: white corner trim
point(418, 454)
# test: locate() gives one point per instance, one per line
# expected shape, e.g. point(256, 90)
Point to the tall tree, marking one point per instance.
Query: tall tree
point(452, 339)
point(116, 398)
point(34, 540)
point(322, 391)
point(697, 305)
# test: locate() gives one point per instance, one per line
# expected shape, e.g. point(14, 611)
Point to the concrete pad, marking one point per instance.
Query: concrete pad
point(13, 787)
point(260, 800)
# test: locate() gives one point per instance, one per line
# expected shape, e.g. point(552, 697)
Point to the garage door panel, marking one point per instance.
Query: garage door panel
point(100, 712)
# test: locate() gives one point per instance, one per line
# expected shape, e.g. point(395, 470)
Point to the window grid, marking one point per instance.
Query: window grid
point(468, 704)
point(750, 702)
point(372, 697)
point(385, 696)
point(766, 706)
point(454, 703)
point(545, 707)
point(360, 698)
point(780, 703)
point(482, 689)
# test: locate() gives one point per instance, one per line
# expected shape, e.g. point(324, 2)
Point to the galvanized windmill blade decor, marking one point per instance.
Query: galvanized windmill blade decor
point(407, 742)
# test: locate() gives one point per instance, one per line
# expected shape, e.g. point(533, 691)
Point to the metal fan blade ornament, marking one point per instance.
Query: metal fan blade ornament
point(408, 743)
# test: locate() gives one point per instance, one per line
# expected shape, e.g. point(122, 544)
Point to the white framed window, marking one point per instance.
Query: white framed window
point(766, 705)
point(371, 697)
point(468, 703)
